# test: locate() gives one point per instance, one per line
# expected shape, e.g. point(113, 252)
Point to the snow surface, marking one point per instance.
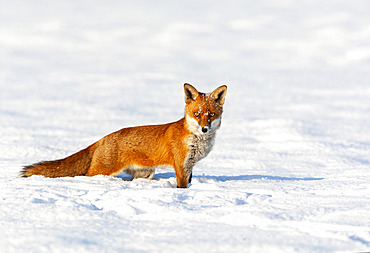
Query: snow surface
point(290, 169)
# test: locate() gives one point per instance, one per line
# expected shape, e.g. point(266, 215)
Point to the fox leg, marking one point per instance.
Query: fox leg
point(181, 176)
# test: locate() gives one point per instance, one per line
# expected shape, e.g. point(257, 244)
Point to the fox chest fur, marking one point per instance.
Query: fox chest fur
point(199, 147)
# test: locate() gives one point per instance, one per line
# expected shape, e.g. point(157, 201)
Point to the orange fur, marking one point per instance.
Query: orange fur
point(139, 150)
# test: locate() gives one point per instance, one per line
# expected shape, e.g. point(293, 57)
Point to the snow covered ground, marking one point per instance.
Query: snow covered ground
point(290, 170)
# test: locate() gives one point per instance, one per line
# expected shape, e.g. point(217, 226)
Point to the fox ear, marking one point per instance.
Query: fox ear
point(190, 93)
point(219, 94)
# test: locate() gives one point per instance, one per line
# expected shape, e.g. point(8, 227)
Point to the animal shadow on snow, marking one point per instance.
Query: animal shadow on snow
point(256, 177)
point(167, 175)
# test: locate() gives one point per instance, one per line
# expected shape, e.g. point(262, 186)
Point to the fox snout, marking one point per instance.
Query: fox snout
point(205, 123)
point(211, 125)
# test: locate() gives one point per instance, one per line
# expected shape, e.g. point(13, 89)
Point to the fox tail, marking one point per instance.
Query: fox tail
point(71, 166)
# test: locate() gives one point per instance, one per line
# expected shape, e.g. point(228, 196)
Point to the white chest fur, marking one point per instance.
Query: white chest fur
point(199, 147)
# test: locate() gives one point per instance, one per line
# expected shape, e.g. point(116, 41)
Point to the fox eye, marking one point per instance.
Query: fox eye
point(196, 114)
point(212, 114)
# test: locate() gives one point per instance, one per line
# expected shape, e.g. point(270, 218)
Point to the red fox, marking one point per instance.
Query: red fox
point(139, 150)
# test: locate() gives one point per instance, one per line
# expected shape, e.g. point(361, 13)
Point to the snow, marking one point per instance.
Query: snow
point(290, 169)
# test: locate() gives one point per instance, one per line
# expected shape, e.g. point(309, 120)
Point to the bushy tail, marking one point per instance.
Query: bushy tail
point(71, 166)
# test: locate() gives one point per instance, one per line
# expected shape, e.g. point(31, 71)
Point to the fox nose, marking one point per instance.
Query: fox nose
point(205, 129)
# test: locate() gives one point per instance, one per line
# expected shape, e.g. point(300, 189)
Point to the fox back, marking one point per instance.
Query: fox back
point(139, 150)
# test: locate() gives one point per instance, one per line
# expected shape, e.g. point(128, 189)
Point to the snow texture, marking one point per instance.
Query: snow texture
point(290, 169)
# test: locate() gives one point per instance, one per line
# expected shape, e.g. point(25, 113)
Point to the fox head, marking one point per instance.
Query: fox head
point(203, 111)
